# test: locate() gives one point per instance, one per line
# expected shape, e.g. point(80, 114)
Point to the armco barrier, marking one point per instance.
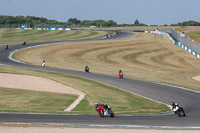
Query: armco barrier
point(178, 36)
point(177, 43)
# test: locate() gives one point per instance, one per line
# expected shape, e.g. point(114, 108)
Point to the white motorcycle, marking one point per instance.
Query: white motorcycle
point(178, 110)
point(43, 64)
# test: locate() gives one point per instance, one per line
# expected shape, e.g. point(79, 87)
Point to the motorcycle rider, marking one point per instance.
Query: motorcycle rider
point(120, 71)
point(106, 110)
point(175, 107)
point(97, 105)
point(178, 110)
point(86, 69)
point(43, 63)
point(6, 47)
point(120, 74)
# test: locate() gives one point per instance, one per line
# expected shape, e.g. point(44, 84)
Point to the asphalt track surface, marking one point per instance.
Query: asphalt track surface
point(189, 100)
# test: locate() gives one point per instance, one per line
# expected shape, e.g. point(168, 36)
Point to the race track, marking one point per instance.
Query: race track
point(163, 93)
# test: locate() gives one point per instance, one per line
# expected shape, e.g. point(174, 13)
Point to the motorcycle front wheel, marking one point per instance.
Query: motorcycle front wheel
point(101, 113)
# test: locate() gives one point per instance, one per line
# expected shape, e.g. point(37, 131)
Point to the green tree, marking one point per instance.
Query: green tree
point(109, 23)
point(3, 19)
point(74, 21)
point(187, 23)
point(86, 23)
point(136, 22)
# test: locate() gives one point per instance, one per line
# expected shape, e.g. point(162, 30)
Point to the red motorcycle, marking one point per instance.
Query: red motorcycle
point(121, 75)
point(6, 47)
point(104, 110)
point(24, 43)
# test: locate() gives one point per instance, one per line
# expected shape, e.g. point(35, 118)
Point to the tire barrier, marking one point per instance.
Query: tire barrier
point(45, 28)
point(52, 29)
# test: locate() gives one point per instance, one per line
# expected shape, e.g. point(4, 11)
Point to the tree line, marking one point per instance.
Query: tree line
point(34, 22)
point(187, 23)
point(28, 20)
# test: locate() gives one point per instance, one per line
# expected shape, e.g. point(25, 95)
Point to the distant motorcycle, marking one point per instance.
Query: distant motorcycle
point(87, 69)
point(178, 110)
point(6, 47)
point(43, 64)
point(104, 110)
point(121, 75)
point(24, 43)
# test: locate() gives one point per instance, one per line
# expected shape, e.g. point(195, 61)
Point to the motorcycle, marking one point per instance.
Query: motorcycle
point(104, 110)
point(24, 43)
point(43, 64)
point(178, 110)
point(87, 69)
point(6, 47)
point(121, 75)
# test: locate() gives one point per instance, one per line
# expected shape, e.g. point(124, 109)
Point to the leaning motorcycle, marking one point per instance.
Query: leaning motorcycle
point(178, 110)
point(24, 43)
point(104, 110)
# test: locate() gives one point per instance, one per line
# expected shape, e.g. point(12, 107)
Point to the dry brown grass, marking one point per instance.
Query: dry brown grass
point(18, 35)
point(149, 57)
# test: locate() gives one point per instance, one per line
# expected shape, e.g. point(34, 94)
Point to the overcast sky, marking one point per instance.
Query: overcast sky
point(122, 11)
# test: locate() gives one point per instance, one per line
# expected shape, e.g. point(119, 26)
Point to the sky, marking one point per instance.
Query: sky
point(150, 12)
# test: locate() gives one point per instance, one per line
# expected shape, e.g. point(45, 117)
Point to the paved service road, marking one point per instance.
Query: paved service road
point(163, 93)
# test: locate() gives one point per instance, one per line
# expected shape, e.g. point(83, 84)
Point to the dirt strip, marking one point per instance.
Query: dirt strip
point(85, 130)
point(196, 78)
point(39, 84)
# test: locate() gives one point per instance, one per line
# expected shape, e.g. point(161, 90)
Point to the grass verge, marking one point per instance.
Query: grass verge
point(195, 35)
point(16, 100)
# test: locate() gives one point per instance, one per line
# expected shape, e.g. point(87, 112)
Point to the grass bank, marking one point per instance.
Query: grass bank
point(16, 100)
point(29, 101)
point(195, 35)
point(149, 57)
point(18, 35)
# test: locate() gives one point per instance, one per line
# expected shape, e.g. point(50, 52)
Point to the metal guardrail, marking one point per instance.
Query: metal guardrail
point(185, 40)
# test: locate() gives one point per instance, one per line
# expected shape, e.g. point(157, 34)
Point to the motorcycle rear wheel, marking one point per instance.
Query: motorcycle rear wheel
point(112, 114)
point(181, 112)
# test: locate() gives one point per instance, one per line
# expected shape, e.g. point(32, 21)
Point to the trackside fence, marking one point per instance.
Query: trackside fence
point(183, 39)
point(180, 40)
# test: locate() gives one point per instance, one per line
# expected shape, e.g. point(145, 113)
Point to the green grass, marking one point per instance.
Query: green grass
point(16, 100)
point(95, 92)
point(18, 35)
point(195, 35)
point(183, 29)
